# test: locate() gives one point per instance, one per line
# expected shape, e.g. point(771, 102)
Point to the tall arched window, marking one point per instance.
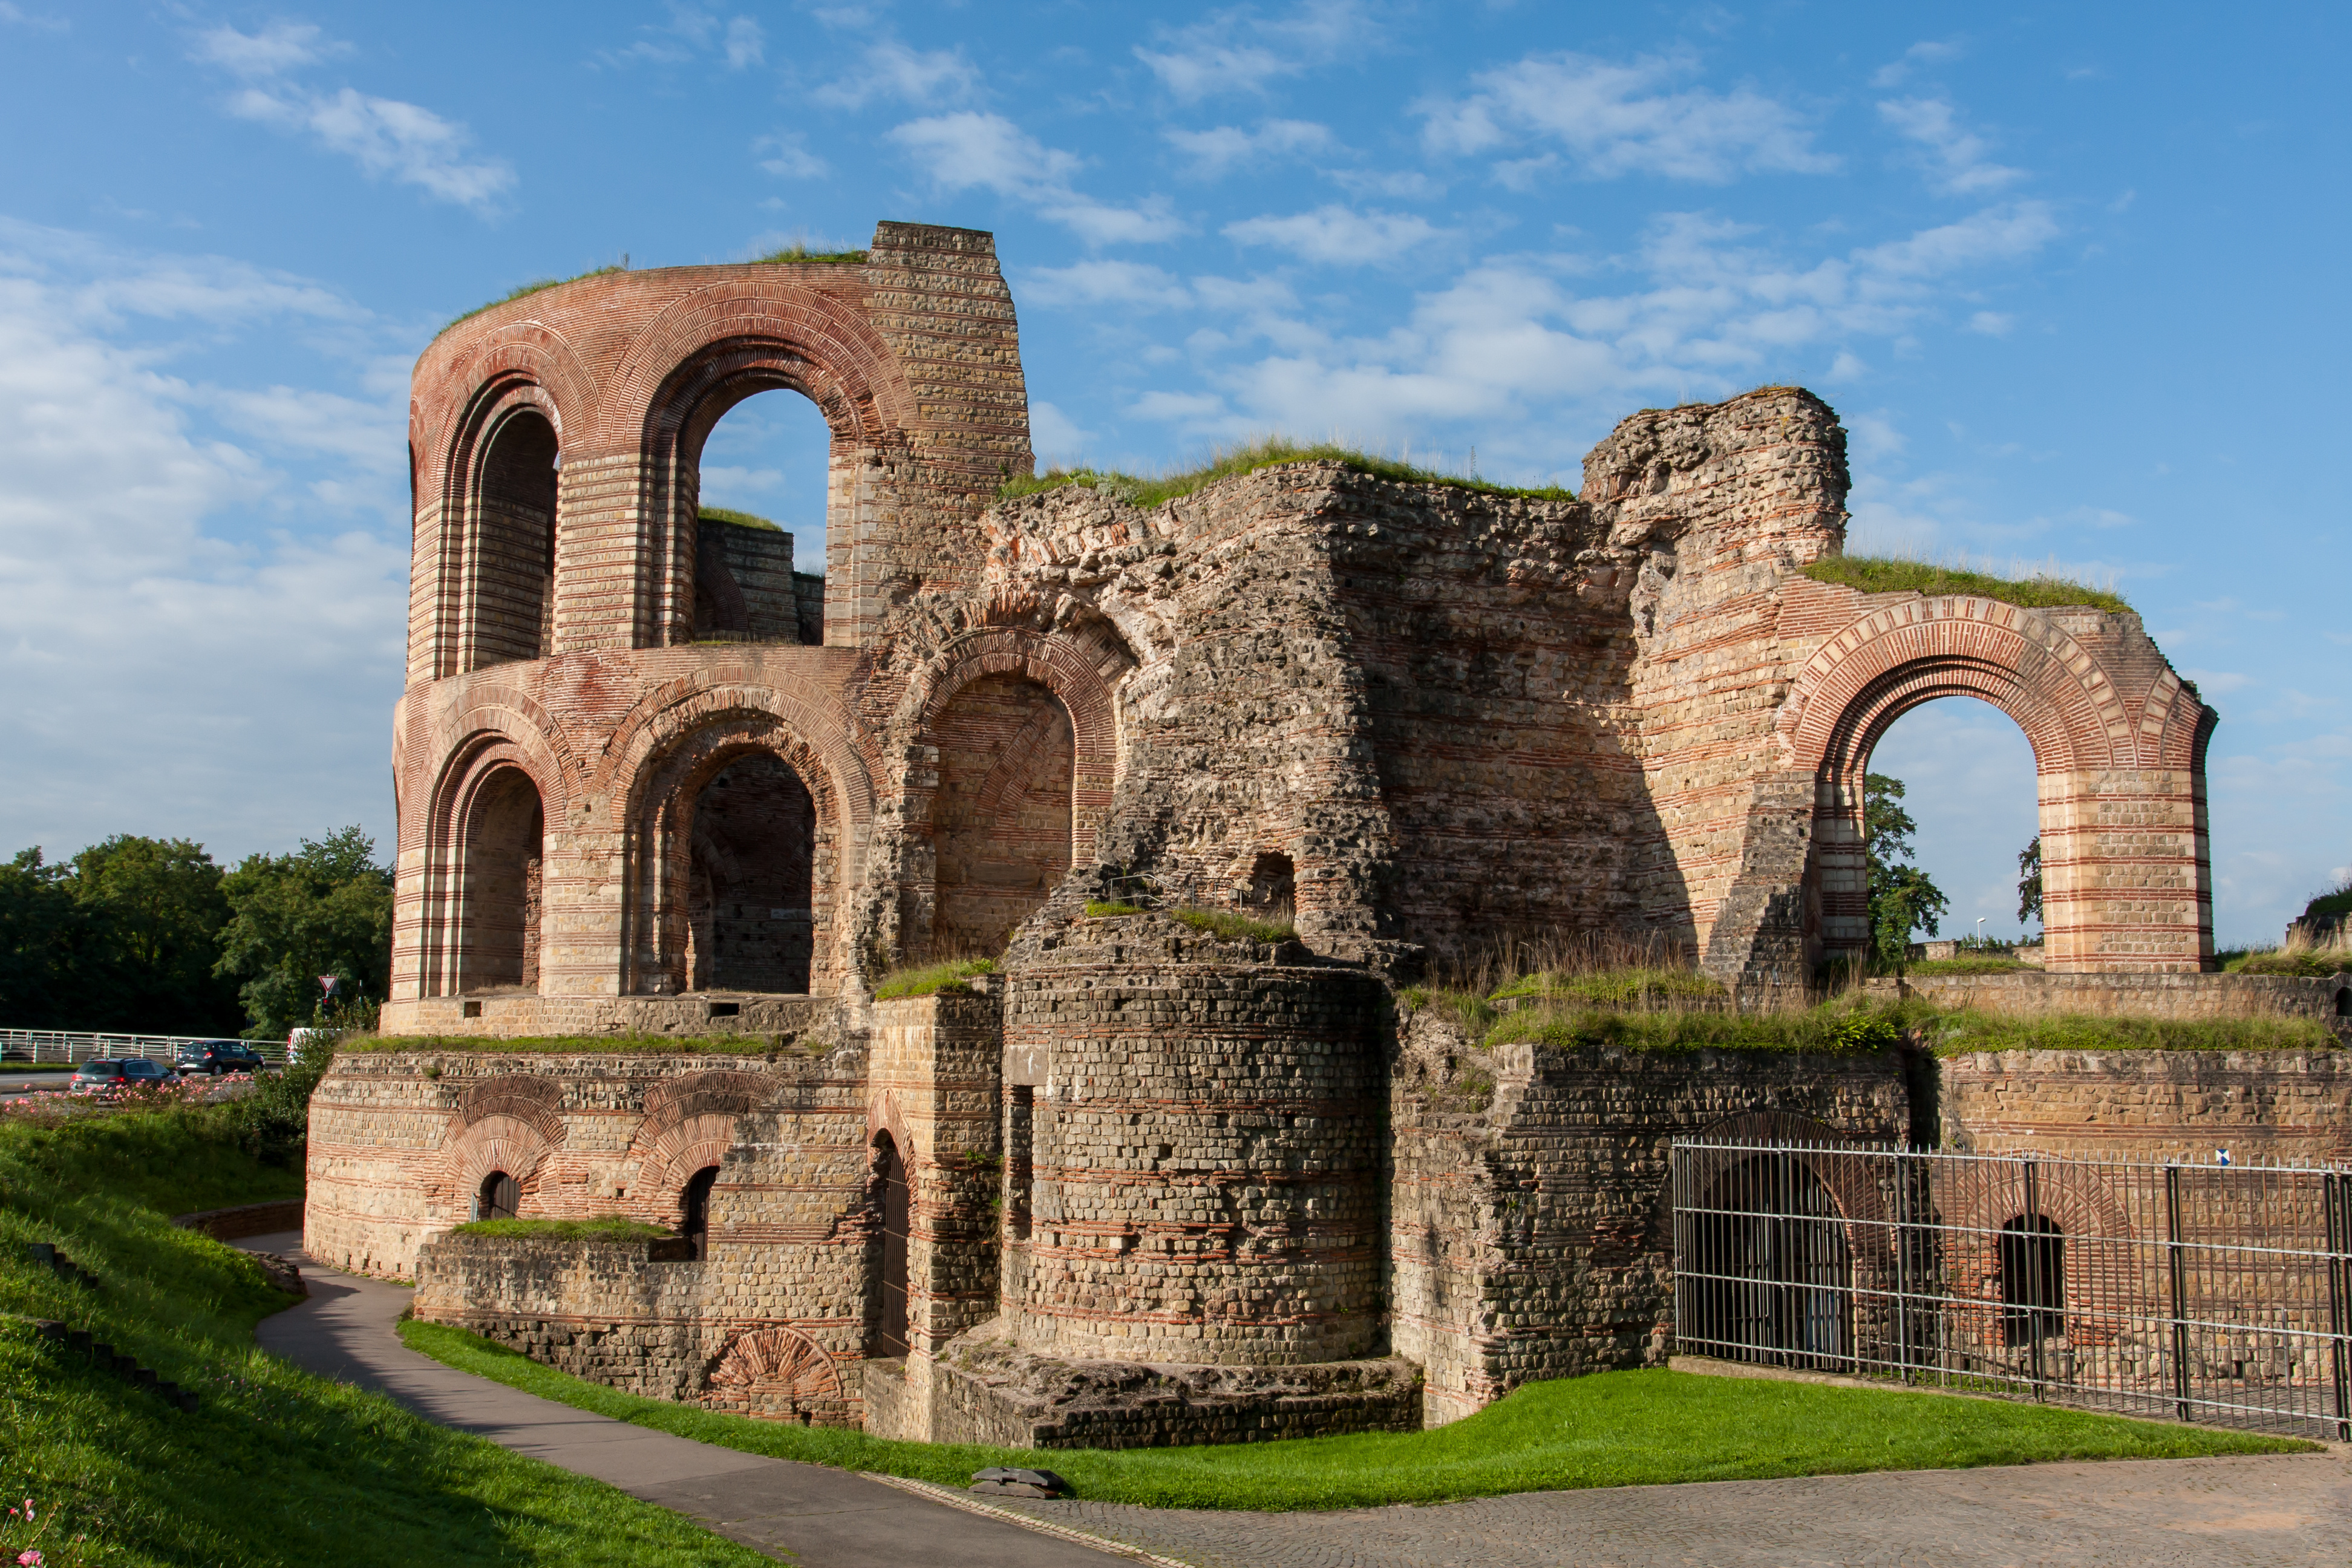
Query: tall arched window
point(497, 1198)
point(694, 1204)
point(2033, 1279)
point(501, 892)
point(890, 1316)
point(761, 480)
point(510, 571)
point(752, 919)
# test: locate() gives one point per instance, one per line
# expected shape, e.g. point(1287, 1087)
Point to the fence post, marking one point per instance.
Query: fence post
point(2179, 1300)
point(2339, 1242)
point(2030, 1247)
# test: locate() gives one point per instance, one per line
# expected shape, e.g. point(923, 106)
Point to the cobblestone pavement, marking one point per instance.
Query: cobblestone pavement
point(2260, 1512)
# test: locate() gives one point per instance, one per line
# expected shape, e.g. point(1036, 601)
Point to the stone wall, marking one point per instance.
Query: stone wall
point(2174, 996)
point(1205, 1149)
point(1530, 1215)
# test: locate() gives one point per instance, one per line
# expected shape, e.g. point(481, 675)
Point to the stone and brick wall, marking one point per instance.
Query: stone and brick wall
point(2280, 1106)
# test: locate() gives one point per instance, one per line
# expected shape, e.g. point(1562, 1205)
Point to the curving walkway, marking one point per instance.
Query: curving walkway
point(2287, 1511)
point(818, 1517)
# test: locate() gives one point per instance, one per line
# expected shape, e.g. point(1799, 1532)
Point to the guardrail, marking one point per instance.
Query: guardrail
point(63, 1046)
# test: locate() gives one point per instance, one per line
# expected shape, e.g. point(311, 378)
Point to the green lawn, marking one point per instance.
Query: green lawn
point(1626, 1429)
point(277, 1466)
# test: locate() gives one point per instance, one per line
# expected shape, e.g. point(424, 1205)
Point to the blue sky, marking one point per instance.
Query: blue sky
point(2073, 275)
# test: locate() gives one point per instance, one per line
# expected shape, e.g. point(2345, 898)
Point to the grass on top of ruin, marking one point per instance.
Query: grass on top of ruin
point(1898, 574)
point(1265, 452)
point(1611, 1429)
point(275, 1468)
point(948, 977)
point(603, 1227)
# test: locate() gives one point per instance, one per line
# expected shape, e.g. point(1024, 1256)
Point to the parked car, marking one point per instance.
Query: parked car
point(215, 1058)
point(114, 1074)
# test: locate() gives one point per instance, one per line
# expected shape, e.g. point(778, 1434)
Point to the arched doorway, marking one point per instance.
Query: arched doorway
point(501, 886)
point(890, 1262)
point(1000, 817)
point(749, 908)
point(498, 1197)
point(1768, 1269)
point(509, 576)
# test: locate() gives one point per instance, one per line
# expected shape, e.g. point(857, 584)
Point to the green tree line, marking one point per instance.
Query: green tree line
point(150, 936)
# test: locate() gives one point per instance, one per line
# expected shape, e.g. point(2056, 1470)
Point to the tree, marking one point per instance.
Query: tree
point(1902, 898)
point(161, 908)
point(2029, 881)
point(46, 942)
point(324, 909)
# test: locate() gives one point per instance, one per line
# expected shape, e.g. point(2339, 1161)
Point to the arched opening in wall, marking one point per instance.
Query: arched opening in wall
point(763, 477)
point(2343, 1002)
point(751, 910)
point(511, 579)
point(498, 1197)
point(694, 1209)
point(889, 1266)
point(1772, 1275)
point(2033, 1256)
point(1273, 892)
point(1000, 817)
point(502, 888)
point(1951, 834)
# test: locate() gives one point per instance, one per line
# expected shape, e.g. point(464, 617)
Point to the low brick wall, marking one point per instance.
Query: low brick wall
point(2288, 1107)
point(2033, 991)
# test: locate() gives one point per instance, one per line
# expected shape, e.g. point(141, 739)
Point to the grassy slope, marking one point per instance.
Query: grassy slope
point(1890, 574)
point(1616, 1429)
point(277, 1466)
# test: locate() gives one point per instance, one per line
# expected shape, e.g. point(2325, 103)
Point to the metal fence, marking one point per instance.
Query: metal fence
point(58, 1046)
point(2212, 1293)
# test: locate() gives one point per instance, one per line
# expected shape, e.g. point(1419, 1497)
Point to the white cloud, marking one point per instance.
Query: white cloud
point(385, 136)
point(1240, 51)
point(1056, 437)
point(970, 148)
point(891, 69)
point(1402, 184)
point(1338, 234)
point(691, 31)
point(197, 642)
point(1959, 157)
point(786, 158)
point(745, 43)
point(1105, 282)
point(1991, 323)
point(1925, 52)
point(1221, 148)
point(17, 17)
point(276, 49)
point(1614, 120)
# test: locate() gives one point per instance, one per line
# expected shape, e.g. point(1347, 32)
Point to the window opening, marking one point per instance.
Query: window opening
point(1273, 887)
point(498, 937)
point(890, 1173)
point(763, 480)
point(499, 1197)
point(513, 591)
point(1774, 1275)
point(751, 910)
point(694, 1221)
point(2033, 1281)
point(1020, 1119)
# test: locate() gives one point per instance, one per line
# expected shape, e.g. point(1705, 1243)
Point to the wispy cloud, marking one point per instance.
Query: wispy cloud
point(691, 32)
point(1927, 52)
point(1957, 158)
point(1611, 119)
point(15, 17)
point(970, 148)
point(1222, 148)
point(1339, 236)
point(1105, 282)
point(385, 136)
point(1240, 51)
point(783, 156)
point(892, 70)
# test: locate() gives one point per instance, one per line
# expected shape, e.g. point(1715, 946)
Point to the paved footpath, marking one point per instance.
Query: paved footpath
point(818, 1517)
point(2288, 1511)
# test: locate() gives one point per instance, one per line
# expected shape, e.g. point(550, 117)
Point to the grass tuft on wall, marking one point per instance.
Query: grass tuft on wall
point(1229, 462)
point(945, 979)
point(1895, 574)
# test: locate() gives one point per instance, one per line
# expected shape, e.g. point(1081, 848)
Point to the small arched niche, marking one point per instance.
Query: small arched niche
point(509, 602)
point(502, 890)
point(1000, 817)
point(498, 1197)
point(750, 909)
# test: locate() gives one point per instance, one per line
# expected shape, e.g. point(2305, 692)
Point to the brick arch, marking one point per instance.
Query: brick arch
point(473, 766)
point(1849, 1178)
point(2090, 749)
point(777, 1373)
point(660, 718)
point(1082, 672)
point(689, 1123)
point(703, 736)
point(528, 353)
point(512, 1123)
point(1976, 1201)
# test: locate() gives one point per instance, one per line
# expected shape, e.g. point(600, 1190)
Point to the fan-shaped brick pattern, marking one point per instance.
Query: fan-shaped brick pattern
point(778, 1374)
